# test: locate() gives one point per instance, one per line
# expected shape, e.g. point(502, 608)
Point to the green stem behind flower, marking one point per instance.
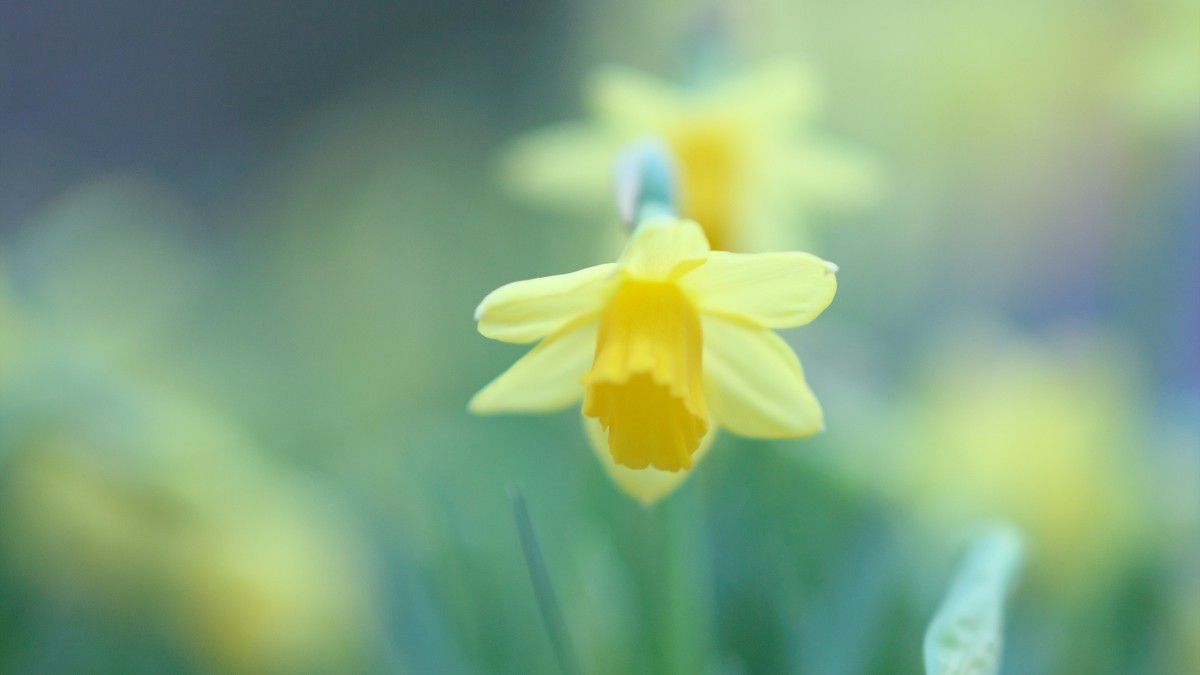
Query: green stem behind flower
point(680, 598)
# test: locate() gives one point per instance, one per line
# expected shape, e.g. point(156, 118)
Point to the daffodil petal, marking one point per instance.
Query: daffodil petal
point(754, 384)
point(771, 289)
point(526, 311)
point(645, 485)
point(563, 166)
point(663, 248)
point(545, 379)
point(824, 173)
point(630, 101)
point(782, 93)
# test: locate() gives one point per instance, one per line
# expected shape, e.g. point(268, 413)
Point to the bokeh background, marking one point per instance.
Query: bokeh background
point(240, 245)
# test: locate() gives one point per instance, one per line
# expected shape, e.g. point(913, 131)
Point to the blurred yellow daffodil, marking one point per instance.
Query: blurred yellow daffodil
point(127, 497)
point(1044, 435)
point(172, 514)
point(664, 345)
point(751, 169)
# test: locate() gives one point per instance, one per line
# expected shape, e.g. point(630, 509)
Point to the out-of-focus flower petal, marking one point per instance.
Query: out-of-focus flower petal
point(823, 173)
point(558, 166)
point(784, 92)
point(631, 100)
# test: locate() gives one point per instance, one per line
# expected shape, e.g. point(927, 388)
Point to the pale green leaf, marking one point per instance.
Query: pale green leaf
point(966, 635)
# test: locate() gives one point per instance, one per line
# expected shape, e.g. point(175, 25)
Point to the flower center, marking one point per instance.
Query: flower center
point(646, 386)
point(708, 159)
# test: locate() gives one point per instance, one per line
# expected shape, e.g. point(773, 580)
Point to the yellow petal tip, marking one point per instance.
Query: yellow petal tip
point(474, 407)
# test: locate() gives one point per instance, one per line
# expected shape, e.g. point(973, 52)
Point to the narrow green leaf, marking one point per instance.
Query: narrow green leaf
point(539, 574)
point(966, 635)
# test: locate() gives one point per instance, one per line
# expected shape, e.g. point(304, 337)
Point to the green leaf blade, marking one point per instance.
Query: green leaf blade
point(966, 635)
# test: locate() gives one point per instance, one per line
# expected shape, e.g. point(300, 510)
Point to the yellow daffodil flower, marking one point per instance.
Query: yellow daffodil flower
point(750, 167)
point(664, 345)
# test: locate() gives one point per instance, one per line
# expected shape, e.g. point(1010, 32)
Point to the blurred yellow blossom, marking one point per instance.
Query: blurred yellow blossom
point(170, 514)
point(663, 345)
point(1042, 434)
point(125, 497)
point(752, 168)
